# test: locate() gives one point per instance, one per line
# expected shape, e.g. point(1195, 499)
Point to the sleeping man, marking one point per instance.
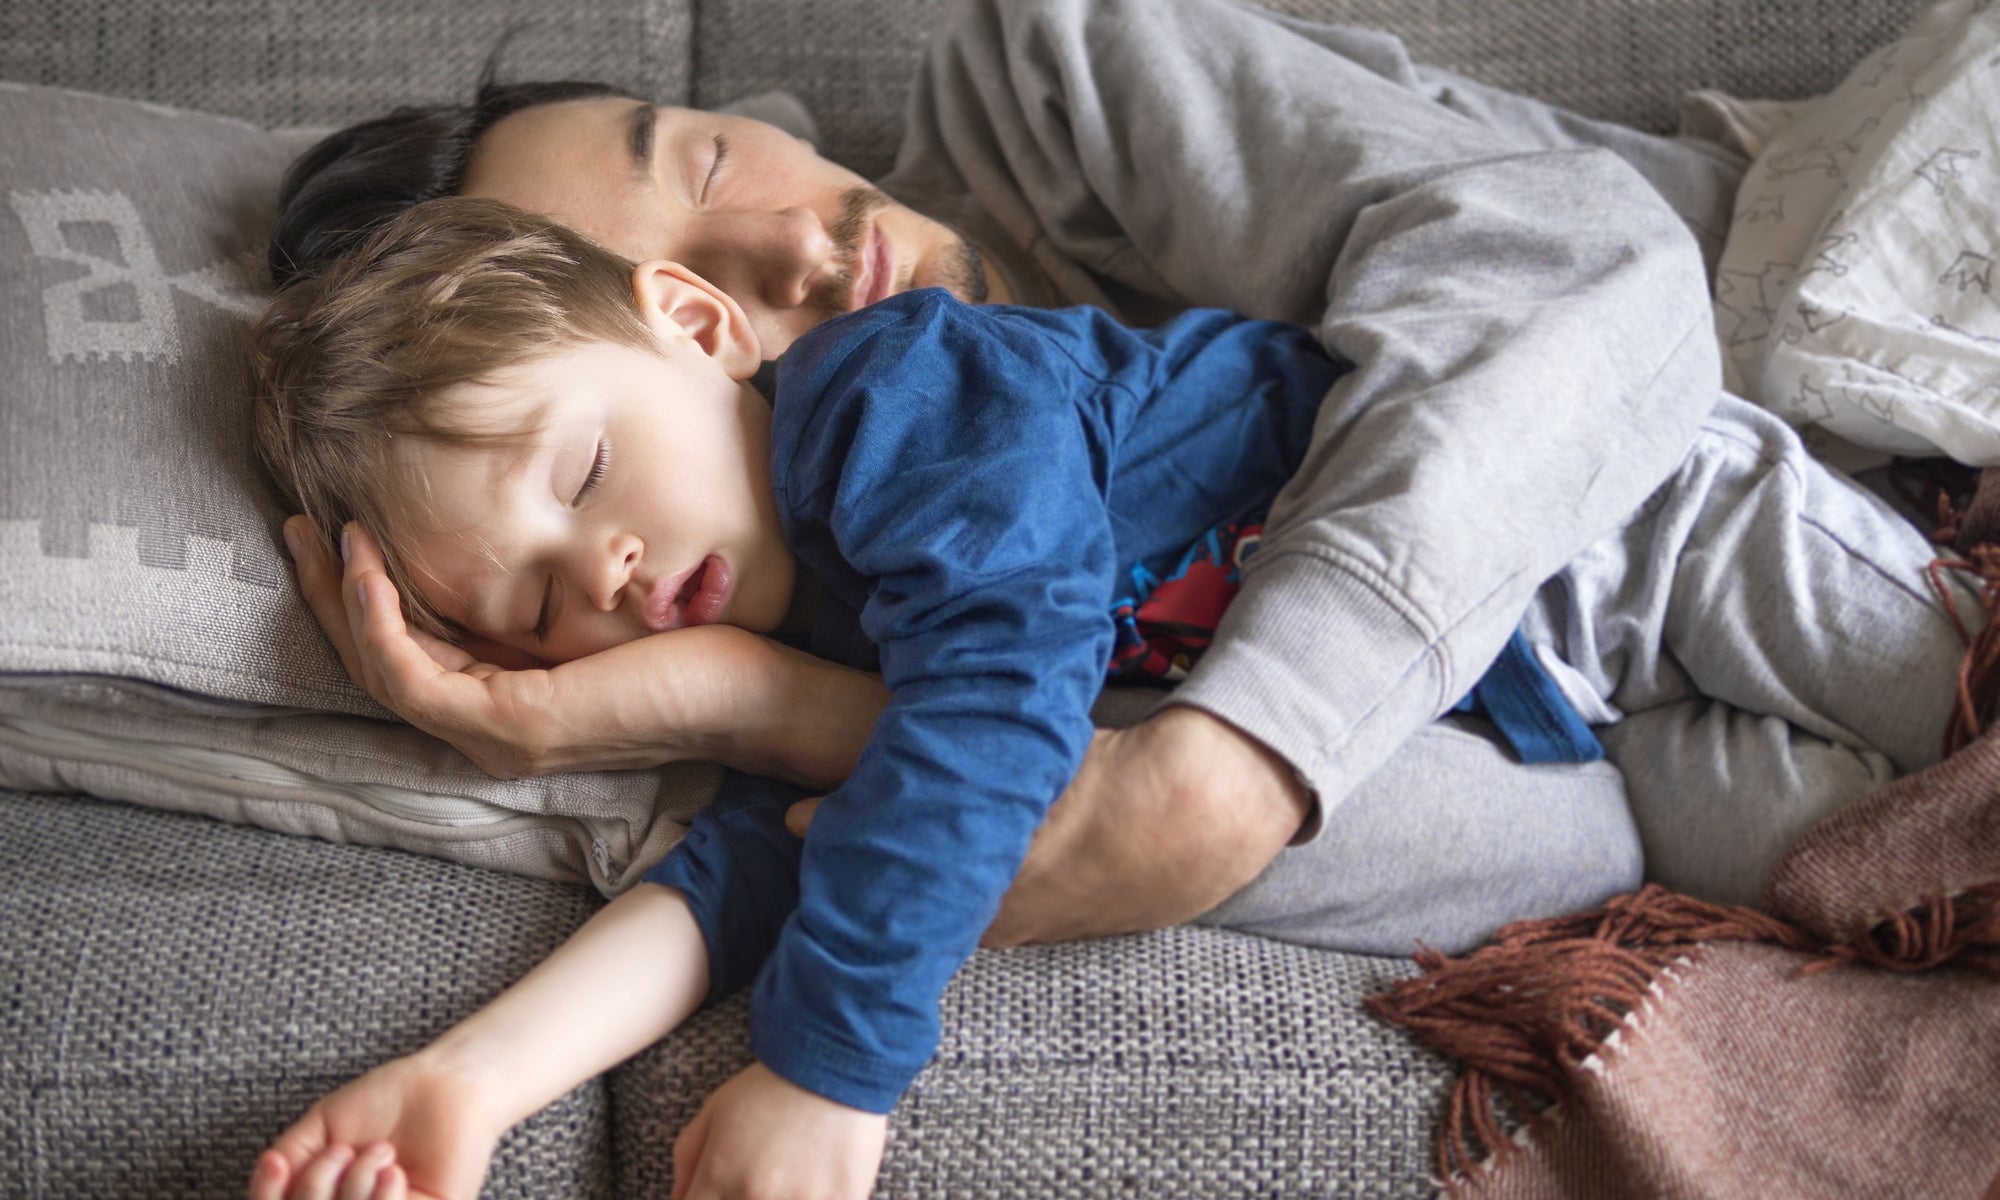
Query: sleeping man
point(1530, 330)
point(584, 459)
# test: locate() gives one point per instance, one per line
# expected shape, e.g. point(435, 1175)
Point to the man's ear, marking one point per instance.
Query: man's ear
point(676, 302)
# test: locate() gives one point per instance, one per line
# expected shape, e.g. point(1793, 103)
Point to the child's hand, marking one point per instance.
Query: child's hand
point(708, 691)
point(762, 1137)
point(404, 1129)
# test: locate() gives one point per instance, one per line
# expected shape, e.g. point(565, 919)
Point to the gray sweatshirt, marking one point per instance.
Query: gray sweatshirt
point(1529, 323)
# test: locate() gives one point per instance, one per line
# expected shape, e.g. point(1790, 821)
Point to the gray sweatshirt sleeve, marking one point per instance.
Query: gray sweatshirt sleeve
point(1529, 326)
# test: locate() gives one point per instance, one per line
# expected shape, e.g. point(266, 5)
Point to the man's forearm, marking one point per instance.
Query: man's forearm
point(803, 719)
point(710, 692)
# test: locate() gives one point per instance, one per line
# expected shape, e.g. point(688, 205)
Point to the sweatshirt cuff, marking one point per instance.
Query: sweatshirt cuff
point(837, 1072)
point(1322, 668)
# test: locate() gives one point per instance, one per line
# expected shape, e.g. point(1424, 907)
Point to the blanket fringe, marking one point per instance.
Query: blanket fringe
point(1525, 1013)
point(1963, 930)
point(1968, 521)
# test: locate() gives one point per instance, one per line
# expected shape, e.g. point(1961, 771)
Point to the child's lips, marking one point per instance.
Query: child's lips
point(713, 584)
point(698, 596)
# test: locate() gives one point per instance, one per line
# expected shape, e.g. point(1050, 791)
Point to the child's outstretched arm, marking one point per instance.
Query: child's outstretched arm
point(705, 692)
point(426, 1125)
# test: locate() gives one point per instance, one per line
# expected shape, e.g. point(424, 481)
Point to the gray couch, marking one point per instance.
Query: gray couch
point(174, 990)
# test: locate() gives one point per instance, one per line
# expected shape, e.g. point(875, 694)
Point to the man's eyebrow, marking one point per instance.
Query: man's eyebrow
point(639, 138)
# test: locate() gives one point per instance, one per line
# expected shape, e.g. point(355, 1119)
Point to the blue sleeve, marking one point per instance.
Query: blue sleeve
point(965, 494)
point(738, 867)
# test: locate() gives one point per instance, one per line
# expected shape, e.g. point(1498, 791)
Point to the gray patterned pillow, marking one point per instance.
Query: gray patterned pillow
point(154, 648)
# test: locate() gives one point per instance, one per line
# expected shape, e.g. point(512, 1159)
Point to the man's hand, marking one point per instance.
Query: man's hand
point(712, 691)
point(1165, 821)
point(762, 1137)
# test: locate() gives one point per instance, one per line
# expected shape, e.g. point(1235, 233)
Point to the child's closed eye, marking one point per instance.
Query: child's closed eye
point(546, 613)
point(598, 465)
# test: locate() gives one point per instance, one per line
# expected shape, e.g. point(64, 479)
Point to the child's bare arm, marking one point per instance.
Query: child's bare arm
point(622, 981)
point(708, 692)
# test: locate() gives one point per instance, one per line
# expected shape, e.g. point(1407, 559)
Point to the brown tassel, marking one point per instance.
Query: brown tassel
point(1521, 1014)
point(1971, 526)
point(1962, 930)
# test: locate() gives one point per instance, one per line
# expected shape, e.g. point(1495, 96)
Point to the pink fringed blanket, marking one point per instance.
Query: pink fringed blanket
point(1844, 1042)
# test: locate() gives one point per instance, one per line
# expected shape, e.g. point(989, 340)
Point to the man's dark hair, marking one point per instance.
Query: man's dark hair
point(354, 179)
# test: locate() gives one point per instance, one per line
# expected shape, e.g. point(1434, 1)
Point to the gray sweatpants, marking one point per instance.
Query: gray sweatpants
point(1763, 640)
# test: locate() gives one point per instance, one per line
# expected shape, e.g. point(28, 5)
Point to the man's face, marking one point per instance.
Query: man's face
point(641, 502)
point(794, 238)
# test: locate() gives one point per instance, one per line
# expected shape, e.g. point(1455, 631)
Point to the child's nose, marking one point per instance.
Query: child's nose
point(622, 558)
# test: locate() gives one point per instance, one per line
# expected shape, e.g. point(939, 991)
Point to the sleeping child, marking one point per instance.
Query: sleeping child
point(533, 444)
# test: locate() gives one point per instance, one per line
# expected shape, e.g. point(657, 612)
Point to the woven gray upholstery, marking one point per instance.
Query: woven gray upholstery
point(1630, 60)
point(283, 62)
point(318, 62)
point(174, 991)
point(1189, 1063)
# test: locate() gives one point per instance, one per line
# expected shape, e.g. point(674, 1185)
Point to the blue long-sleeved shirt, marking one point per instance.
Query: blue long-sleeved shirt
point(972, 488)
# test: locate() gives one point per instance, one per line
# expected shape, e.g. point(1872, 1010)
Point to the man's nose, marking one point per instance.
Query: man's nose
point(777, 257)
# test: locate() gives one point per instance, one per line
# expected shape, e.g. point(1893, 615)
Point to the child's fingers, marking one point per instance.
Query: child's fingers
point(268, 1178)
point(322, 1175)
point(687, 1153)
point(392, 1184)
point(361, 1179)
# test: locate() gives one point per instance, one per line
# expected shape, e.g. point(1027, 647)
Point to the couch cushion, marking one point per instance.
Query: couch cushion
point(174, 992)
point(851, 63)
point(139, 564)
point(1191, 1062)
point(328, 62)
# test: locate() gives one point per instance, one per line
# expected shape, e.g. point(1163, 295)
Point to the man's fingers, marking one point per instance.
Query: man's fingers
point(799, 817)
point(443, 653)
point(479, 649)
point(395, 662)
point(320, 583)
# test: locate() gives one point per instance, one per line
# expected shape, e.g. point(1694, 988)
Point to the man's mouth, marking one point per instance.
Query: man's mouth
point(699, 597)
point(874, 269)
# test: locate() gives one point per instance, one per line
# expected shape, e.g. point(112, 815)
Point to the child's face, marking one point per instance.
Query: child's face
point(643, 504)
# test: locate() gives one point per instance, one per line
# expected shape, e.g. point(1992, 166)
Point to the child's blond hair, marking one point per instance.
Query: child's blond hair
point(446, 293)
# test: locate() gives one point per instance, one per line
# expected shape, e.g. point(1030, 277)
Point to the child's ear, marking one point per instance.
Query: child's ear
point(677, 302)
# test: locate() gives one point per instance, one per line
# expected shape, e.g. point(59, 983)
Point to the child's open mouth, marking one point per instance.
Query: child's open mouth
point(700, 598)
point(706, 593)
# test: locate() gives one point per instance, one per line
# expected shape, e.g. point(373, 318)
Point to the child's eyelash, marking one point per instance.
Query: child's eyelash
point(596, 476)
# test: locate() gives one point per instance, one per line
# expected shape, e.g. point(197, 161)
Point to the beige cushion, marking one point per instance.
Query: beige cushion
point(154, 647)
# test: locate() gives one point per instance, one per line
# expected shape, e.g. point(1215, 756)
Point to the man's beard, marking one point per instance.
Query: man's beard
point(963, 272)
